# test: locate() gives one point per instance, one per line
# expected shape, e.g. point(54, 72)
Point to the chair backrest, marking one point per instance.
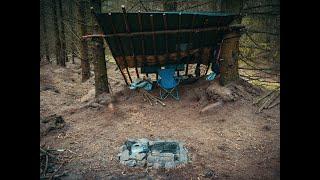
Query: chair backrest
point(167, 78)
point(150, 69)
point(177, 67)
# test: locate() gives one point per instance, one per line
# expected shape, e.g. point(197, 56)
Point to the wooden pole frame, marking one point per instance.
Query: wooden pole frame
point(154, 42)
point(131, 42)
point(122, 52)
point(190, 37)
point(103, 36)
point(165, 25)
point(142, 40)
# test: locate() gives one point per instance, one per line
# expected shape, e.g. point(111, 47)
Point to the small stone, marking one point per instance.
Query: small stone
point(151, 142)
point(169, 165)
point(131, 163)
point(119, 155)
point(151, 158)
point(143, 141)
point(209, 173)
point(123, 148)
point(124, 155)
point(142, 163)
point(157, 165)
point(166, 157)
point(140, 156)
point(149, 164)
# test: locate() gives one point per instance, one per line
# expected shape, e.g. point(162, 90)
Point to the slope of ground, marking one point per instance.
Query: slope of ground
point(233, 141)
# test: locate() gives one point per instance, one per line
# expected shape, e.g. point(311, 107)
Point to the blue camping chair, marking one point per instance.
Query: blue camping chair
point(168, 84)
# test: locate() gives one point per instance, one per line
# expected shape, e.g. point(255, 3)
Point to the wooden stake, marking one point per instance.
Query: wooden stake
point(131, 41)
point(122, 52)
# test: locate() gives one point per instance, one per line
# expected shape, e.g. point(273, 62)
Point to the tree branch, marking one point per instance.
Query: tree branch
point(261, 6)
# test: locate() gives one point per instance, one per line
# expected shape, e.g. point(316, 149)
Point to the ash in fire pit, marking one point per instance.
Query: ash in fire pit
point(158, 154)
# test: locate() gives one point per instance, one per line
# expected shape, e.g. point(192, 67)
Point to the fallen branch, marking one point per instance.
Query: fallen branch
point(273, 105)
point(46, 166)
point(269, 98)
point(254, 42)
point(151, 98)
point(273, 98)
point(148, 98)
point(261, 98)
point(45, 152)
point(55, 172)
point(55, 176)
point(249, 78)
point(263, 32)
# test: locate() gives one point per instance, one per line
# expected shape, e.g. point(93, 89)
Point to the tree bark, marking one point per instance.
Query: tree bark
point(99, 61)
point(45, 35)
point(100, 69)
point(56, 32)
point(64, 57)
point(72, 24)
point(85, 65)
point(229, 58)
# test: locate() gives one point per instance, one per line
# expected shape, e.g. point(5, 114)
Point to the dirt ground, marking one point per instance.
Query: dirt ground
point(232, 141)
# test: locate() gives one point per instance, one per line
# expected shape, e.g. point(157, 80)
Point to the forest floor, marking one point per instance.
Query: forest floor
point(233, 141)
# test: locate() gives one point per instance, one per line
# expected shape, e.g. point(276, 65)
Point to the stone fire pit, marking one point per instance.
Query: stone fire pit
point(158, 154)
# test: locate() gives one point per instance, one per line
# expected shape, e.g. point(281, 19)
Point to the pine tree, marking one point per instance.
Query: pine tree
point(85, 65)
point(99, 62)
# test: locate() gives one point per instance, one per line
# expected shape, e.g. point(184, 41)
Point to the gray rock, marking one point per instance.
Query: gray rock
point(157, 165)
point(151, 143)
point(169, 165)
point(209, 173)
point(142, 163)
point(166, 157)
point(124, 155)
point(130, 163)
point(140, 156)
point(138, 148)
point(119, 155)
point(143, 141)
point(149, 164)
point(152, 159)
point(123, 148)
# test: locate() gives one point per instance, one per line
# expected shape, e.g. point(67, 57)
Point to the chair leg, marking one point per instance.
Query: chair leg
point(163, 95)
point(173, 92)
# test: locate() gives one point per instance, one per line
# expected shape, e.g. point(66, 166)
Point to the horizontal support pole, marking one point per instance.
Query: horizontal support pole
point(224, 28)
point(160, 32)
point(93, 36)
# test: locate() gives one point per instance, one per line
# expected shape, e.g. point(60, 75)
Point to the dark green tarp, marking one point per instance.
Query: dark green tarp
point(202, 39)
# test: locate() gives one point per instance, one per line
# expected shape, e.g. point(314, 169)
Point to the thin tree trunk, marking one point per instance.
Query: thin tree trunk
point(45, 35)
point(64, 56)
point(85, 65)
point(71, 12)
point(56, 32)
point(229, 58)
point(99, 61)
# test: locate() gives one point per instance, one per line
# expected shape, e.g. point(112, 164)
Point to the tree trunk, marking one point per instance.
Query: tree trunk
point(72, 27)
point(229, 58)
point(100, 69)
point(64, 56)
point(99, 61)
point(56, 32)
point(85, 65)
point(45, 35)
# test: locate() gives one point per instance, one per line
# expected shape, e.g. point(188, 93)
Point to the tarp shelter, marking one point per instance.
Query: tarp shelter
point(156, 39)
